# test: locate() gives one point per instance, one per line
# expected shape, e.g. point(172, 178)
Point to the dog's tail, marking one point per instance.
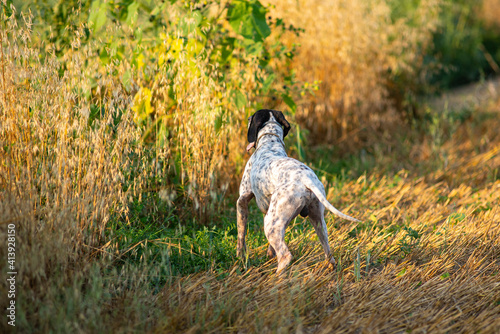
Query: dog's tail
point(319, 194)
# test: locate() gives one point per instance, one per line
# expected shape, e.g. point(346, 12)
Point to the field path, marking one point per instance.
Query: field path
point(469, 96)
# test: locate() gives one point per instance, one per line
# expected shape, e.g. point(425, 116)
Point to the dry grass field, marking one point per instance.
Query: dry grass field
point(350, 46)
point(120, 176)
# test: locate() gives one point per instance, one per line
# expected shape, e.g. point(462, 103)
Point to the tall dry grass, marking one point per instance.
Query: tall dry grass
point(65, 173)
point(359, 52)
point(205, 140)
point(65, 170)
point(194, 159)
point(73, 159)
point(489, 11)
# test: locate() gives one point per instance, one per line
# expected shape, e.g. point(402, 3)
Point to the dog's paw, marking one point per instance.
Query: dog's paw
point(271, 253)
point(241, 252)
point(332, 265)
point(283, 262)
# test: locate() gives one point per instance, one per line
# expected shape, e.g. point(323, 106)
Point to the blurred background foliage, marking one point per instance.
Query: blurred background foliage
point(467, 44)
point(427, 46)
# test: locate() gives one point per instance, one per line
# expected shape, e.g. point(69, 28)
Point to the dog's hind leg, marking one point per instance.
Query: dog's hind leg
point(282, 209)
point(274, 228)
point(317, 218)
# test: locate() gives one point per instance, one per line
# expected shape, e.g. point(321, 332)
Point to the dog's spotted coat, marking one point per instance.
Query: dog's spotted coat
point(283, 187)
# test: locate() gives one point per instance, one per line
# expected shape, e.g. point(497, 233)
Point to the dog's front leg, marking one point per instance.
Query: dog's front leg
point(242, 218)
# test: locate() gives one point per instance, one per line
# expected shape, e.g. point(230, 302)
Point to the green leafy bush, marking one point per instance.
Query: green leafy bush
point(464, 49)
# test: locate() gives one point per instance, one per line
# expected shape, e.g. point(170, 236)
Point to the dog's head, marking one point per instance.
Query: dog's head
point(259, 119)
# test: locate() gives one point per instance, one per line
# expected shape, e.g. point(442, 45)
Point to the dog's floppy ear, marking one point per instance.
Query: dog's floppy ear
point(256, 123)
point(281, 119)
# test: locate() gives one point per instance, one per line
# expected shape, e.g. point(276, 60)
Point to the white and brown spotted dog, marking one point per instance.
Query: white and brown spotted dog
point(283, 187)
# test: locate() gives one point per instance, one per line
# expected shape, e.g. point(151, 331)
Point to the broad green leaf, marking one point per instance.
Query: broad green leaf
point(97, 17)
point(190, 22)
point(237, 13)
point(289, 102)
point(132, 13)
point(7, 7)
point(259, 19)
point(248, 18)
point(268, 82)
point(157, 9)
point(126, 80)
point(219, 121)
point(138, 34)
point(142, 105)
point(239, 99)
point(240, 19)
point(104, 56)
point(253, 48)
point(226, 48)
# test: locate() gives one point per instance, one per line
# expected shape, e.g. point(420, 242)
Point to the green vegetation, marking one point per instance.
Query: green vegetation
point(122, 135)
